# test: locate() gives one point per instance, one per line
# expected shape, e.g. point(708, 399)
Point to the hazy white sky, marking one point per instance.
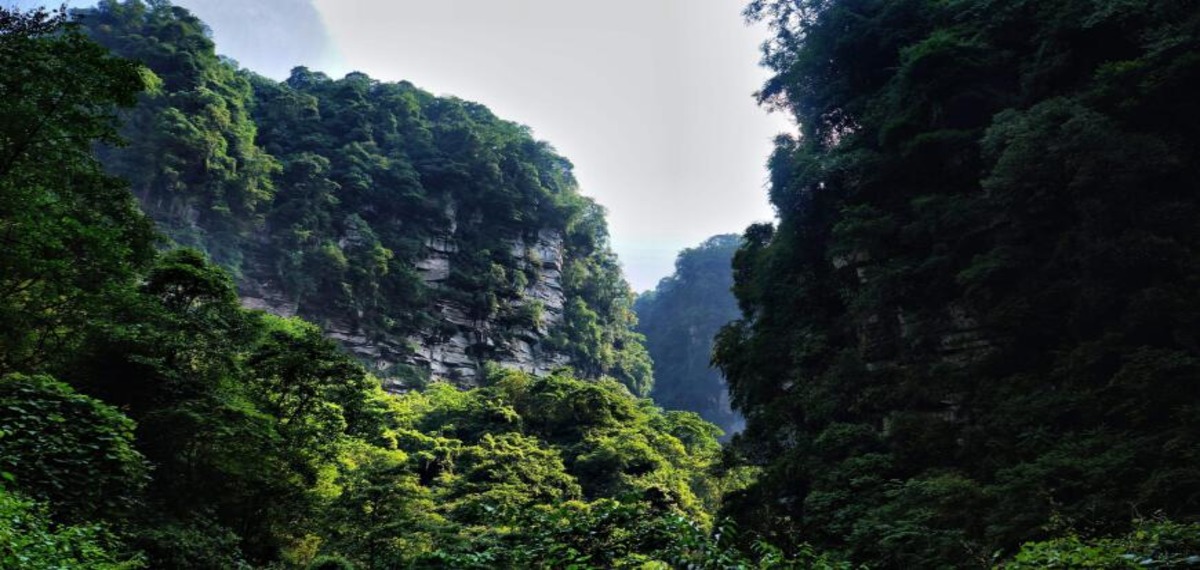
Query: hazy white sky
point(650, 99)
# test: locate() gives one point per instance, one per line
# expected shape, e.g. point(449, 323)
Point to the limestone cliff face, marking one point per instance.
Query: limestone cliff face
point(455, 348)
point(458, 356)
point(380, 212)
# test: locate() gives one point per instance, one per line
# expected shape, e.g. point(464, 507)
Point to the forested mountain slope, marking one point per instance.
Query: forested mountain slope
point(679, 319)
point(424, 233)
point(149, 420)
point(976, 321)
point(973, 326)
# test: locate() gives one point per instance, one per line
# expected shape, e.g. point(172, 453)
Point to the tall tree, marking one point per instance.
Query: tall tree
point(69, 232)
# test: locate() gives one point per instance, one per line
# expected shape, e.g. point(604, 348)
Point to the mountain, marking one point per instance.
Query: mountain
point(424, 233)
point(679, 319)
point(150, 420)
point(968, 342)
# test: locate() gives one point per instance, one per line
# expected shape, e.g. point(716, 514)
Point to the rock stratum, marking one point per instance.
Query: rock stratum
point(460, 354)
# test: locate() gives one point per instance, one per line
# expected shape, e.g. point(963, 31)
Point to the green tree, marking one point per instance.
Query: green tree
point(67, 449)
point(191, 158)
point(68, 232)
point(30, 541)
point(487, 476)
point(239, 413)
point(1154, 543)
point(972, 318)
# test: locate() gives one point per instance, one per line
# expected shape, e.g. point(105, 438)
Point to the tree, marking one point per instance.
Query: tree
point(69, 233)
point(30, 541)
point(192, 159)
point(69, 450)
point(967, 320)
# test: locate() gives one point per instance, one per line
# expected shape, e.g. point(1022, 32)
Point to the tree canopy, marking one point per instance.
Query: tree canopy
point(974, 322)
point(147, 420)
point(969, 341)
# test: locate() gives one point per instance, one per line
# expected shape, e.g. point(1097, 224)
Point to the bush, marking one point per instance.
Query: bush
point(29, 541)
point(330, 563)
point(68, 449)
point(1152, 544)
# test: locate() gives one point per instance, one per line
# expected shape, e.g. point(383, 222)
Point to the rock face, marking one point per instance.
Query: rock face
point(458, 356)
point(425, 233)
point(455, 348)
point(960, 339)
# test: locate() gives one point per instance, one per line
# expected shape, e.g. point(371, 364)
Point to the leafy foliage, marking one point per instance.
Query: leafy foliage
point(192, 160)
point(973, 327)
point(30, 541)
point(492, 475)
point(67, 230)
point(1153, 544)
point(976, 315)
point(189, 432)
point(610, 534)
point(66, 448)
point(330, 193)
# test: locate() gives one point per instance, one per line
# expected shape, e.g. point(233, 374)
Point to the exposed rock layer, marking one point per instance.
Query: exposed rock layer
point(456, 348)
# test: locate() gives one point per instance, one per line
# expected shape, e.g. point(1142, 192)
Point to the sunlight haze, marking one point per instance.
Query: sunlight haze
point(651, 100)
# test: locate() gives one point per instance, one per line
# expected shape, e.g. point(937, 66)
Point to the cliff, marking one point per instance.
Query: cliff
point(424, 233)
point(969, 323)
point(457, 346)
point(679, 319)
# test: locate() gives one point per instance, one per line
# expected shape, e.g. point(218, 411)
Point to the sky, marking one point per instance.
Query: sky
point(652, 100)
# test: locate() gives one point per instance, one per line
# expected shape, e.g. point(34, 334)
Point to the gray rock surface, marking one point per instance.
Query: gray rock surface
point(460, 357)
point(457, 349)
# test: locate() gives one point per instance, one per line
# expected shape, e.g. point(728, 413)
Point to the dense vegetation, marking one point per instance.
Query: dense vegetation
point(975, 322)
point(969, 341)
point(331, 192)
point(679, 319)
point(148, 420)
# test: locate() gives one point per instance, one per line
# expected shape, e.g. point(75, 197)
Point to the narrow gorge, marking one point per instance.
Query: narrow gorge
point(316, 323)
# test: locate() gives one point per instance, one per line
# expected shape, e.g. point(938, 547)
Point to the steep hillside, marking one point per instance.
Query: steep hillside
point(975, 323)
point(424, 233)
point(679, 319)
point(969, 342)
point(149, 420)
